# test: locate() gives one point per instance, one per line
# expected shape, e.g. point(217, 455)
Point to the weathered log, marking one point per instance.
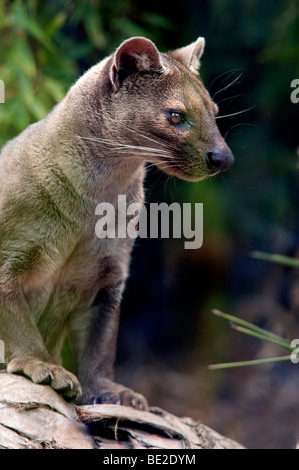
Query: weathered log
point(34, 416)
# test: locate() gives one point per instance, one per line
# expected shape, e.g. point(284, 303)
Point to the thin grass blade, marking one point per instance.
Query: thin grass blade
point(253, 362)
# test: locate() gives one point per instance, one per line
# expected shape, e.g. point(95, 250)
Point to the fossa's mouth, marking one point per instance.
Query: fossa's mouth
point(217, 160)
point(185, 174)
point(189, 174)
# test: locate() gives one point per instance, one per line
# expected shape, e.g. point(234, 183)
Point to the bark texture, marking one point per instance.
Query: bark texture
point(34, 416)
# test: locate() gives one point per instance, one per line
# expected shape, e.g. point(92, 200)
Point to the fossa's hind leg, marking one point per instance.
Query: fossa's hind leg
point(96, 352)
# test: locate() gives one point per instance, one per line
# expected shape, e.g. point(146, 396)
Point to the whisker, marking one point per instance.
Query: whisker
point(120, 146)
point(158, 165)
point(227, 86)
point(144, 149)
point(235, 114)
point(228, 72)
point(236, 125)
point(159, 142)
point(145, 136)
point(146, 154)
point(230, 98)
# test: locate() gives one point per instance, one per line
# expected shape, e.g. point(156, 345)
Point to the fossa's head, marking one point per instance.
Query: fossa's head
point(161, 109)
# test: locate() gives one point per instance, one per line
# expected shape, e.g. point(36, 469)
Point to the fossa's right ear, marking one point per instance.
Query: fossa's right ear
point(137, 54)
point(190, 55)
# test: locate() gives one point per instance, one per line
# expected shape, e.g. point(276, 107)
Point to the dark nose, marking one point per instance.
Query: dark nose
point(219, 159)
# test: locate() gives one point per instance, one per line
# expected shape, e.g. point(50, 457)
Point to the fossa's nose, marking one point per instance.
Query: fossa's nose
point(219, 159)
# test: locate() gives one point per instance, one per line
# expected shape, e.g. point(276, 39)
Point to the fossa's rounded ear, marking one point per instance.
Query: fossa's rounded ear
point(137, 54)
point(190, 55)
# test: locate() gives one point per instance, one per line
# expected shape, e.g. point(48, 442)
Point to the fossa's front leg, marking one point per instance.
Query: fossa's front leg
point(97, 358)
point(25, 350)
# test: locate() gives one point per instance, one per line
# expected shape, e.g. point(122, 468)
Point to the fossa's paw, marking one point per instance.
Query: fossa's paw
point(113, 393)
point(41, 372)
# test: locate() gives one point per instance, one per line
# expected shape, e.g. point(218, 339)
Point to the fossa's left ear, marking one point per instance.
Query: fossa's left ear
point(190, 55)
point(137, 54)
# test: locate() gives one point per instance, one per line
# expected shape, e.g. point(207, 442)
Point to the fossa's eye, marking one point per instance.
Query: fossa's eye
point(176, 118)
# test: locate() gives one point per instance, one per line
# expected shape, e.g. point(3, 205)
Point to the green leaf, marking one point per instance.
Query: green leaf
point(266, 334)
point(279, 342)
point(93, 27)
point(22, 58)
point(20, 18)
point(254, 362)
point(128, 28)
point(55, 89)
point(2, 16)
point(158, 21)
point(276, 258)
point(253, 330)
point(56, 23)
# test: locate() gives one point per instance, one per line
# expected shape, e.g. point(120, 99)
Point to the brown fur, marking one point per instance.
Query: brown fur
point(56, 276)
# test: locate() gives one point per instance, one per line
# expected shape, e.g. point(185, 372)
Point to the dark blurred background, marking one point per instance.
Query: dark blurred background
point(168, 335)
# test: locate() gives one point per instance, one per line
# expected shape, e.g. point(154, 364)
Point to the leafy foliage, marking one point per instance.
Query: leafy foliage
point(45, 46)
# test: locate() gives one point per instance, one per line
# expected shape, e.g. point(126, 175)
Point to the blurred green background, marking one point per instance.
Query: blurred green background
point(168, 335)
